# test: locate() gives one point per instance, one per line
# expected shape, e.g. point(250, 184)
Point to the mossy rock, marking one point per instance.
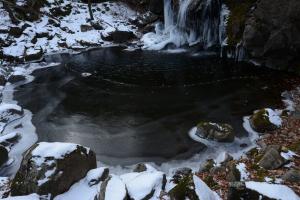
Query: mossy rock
point(239, 10)
point(260, 121)
point(219, 132)
point(185, 189)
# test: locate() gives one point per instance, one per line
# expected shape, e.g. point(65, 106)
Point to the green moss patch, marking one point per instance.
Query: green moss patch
point(237, 18)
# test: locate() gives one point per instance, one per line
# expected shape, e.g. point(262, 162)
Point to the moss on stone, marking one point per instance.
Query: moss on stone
point(237, 19)
point(260, 121)
point(209, 180)
point(184, 189)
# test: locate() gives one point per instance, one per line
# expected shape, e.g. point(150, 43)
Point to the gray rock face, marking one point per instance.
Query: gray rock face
point(271, 159)
point(292, 176)
point(272, 34)
point(214, 131)
point(49, 174)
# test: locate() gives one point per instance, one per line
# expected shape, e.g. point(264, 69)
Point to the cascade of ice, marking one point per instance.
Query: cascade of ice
point(189, 22)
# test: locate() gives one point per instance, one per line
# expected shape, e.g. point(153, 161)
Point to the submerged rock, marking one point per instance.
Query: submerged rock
point(214, 131)
point(265, 120)
point(51, 168)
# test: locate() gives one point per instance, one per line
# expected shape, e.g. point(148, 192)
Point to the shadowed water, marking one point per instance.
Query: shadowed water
point(139, 106)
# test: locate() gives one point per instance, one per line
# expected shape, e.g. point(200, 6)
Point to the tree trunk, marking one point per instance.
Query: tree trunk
point(90, 9)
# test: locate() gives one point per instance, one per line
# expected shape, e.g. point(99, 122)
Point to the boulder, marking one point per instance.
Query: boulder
point(3, 155)
point(238, 190)
point(292, 176)
point(180, 174)
point(51, 168)
point(86, 27)
point(119, 36)
point(185, 187)
point(214, 131)
point(264, 120)
point(272, 34)
point(33, 54)
point(271, 159)
point(15, 31)
point(233, 174)
point(14, 78)
point(208, 165)
point(61, 10)
point(144, 185)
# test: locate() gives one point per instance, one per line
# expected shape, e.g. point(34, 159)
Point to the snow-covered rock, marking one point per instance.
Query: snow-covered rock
point(9, 113)
point(273, 191)
point(265, 120)
point(144, 185)
point(113, 188)
point(51, 168)
point(28, 197)
point(87, 188)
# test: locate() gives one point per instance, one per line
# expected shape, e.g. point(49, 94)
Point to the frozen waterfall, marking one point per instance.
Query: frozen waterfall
point(189, 22)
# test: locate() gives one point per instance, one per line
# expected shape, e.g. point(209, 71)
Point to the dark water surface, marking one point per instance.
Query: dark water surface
point(139, 106)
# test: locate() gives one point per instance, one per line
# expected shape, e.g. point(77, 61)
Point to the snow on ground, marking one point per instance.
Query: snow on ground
point(274, 191)
point(74, 32)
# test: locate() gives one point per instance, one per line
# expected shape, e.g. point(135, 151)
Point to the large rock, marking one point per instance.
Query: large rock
point(118, 36)
point(271, 159)
point(185, 187)
point(144, 185)
point(292, 176)
point(51, 168)
point(272, 34)
point(213, 131)
point(238, 190)
point(265, 120)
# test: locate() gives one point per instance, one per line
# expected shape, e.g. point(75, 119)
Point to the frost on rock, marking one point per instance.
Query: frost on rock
point(274, 191)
